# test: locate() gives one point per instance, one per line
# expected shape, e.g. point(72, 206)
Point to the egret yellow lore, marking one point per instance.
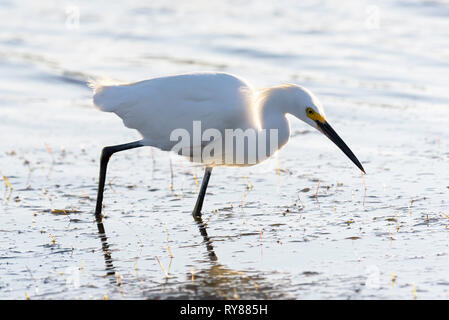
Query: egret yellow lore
point(216, 119)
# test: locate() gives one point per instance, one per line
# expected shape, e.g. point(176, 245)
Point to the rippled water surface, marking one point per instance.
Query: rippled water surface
point(303, 225)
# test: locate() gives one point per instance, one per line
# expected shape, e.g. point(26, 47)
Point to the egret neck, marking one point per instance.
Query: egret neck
point(273, 106)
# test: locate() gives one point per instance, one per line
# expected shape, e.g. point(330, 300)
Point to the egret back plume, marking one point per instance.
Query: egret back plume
point(108, 96)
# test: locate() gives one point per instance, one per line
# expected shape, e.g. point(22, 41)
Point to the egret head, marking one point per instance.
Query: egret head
point(305, 106)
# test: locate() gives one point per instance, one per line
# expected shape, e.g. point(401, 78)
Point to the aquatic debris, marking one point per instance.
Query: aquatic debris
point(162, 267)
point(63, 153)
point(169, 265)
point(391, 238)
point(11, 153)
point(393, 279)
point(245, 193)
point(168, 246)
point(310, 273)
point(118, 279)
point(302, 204)
point(7, 186)
point(317, 188)
point(196, 180)
point(415, 296)
point(393, 219)
point(64, 211)
point(86, 196)
point(48, 148)
point(50, 153)
point(52, 238)
point(249, 185)
point(447, 216)
point(208, 220)
point(36, 288)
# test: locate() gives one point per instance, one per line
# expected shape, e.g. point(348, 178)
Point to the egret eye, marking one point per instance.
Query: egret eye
point(309, 111)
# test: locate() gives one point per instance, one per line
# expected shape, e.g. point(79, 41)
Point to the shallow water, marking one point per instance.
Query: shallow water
point(303, 225)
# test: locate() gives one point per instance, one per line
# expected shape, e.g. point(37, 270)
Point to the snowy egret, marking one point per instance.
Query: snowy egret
point(209, 104)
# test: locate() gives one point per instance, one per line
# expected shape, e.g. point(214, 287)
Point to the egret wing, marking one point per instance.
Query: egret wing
point(158, 106)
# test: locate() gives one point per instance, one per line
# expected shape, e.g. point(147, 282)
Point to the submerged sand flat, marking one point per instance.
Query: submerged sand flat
point(303, 225)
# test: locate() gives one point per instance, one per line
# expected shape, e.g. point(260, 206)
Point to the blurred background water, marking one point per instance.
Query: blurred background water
point(303, 225)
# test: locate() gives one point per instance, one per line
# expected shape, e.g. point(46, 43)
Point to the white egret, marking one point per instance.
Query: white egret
point(218, 102)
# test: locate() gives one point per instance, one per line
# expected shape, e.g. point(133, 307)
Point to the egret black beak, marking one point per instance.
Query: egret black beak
point(327, 130)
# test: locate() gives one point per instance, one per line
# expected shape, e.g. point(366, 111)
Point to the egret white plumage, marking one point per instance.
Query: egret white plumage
point(219, 102)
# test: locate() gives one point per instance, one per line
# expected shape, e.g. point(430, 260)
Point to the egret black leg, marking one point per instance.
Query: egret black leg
point(199, 201)
point(105, 156)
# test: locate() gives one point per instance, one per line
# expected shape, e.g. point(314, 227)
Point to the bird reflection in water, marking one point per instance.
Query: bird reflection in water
point(207, 241)
point(110, 270)
point(213, 282)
